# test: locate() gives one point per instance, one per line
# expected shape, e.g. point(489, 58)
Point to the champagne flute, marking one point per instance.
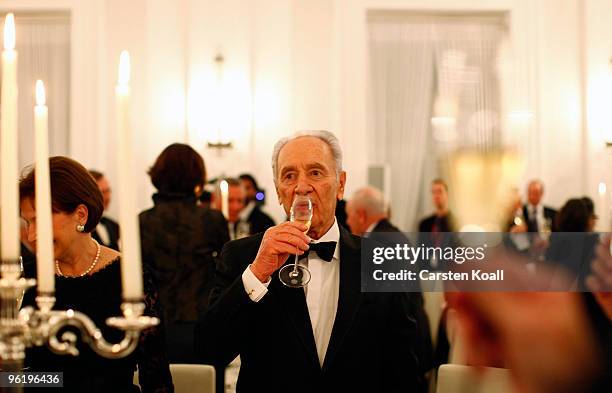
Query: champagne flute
point(295, 275)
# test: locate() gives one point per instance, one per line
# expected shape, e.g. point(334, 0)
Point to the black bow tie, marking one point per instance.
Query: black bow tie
point(325, 250)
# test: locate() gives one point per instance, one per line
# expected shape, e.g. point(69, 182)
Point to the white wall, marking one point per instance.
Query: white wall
point(597, 79)
point(556, 47)
point(303, 64)
point(560, 157)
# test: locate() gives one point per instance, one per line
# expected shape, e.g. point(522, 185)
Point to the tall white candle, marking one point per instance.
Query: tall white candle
point(44, 230)
point(9, 174)
point(604, 224)
point(131, 266)
point(224, 187)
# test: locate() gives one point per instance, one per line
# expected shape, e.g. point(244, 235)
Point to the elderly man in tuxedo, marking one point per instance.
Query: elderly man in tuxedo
point(327, 337)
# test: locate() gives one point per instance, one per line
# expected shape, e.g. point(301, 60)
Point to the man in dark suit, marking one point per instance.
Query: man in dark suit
point(107, 230)
point(435, 230)
point(367, 212)
point(441, 220)
point(327, 337)
point(539, 218)
point(252, 213)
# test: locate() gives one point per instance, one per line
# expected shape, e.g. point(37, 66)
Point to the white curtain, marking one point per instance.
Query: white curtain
point(467, 56)
point(401, 87)
point(433, 87)
point(43, 45)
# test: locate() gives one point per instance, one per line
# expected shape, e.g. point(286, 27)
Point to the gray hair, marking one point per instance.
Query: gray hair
point(323, 135)
point(536, 182)
point(371, 199)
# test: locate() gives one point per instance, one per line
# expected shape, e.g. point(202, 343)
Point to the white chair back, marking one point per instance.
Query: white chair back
point(191, 378)
point(454, 378)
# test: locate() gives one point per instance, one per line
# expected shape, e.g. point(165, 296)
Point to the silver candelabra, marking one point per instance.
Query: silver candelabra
point(29, 327)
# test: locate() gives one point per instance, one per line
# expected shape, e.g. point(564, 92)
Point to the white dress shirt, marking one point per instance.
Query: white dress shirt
point(537, 212)
point(246, 212)
point(103, 233)
point(321, 292)
point(370, 228)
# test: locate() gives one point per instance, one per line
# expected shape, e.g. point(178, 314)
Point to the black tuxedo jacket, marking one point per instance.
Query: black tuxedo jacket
point(385, 225)
point(549, 214)
point(113, 233)
point(371, 348)
point(424, 349)
point(259, 221)
point(446, 224)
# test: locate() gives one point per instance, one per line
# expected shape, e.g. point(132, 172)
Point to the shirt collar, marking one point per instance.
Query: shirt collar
point(332, 235)
point(371, 227)
point(537, 209)
point(246, 212)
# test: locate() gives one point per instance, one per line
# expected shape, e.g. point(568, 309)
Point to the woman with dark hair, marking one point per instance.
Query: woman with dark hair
point(574, 216)
point(88, 279)
point(180, 241)
point(573, 244)
point(588, 202)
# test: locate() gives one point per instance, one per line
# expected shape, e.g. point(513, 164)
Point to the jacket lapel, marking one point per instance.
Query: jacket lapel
point(349, 296)
point(293, 300)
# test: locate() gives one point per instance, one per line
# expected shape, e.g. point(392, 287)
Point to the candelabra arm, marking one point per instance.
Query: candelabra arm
point(90, 334)
point(45, 326)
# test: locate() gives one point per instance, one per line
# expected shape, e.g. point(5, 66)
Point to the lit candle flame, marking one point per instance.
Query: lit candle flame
point(224, 186)
point(9, 32)
point(124, 68)
point(40, 93)
point(602, 188)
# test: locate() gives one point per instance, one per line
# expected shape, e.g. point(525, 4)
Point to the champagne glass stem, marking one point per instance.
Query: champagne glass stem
point(295, 265)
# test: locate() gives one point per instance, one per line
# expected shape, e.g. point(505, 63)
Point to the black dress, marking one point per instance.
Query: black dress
point(99, 296)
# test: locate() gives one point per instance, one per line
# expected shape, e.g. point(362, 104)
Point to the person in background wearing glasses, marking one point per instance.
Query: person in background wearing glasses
point(327, 336)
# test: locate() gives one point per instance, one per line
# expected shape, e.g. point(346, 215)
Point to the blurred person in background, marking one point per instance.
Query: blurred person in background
point(572, 246)
point(539, 218)
point(252, 213)
point(236, 201)
point(441, 220)
point(367, 212)
point(180, 241)
point(107, 231)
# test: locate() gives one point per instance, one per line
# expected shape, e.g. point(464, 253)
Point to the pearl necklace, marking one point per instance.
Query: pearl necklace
point(95, 261)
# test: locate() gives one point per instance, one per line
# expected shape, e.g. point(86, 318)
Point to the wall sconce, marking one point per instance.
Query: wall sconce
point(220, 144)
